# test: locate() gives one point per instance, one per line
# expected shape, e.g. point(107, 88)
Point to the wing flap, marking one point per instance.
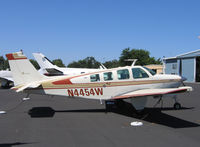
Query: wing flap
point(153, 92)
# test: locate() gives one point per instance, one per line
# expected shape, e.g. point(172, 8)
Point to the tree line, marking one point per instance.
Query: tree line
point(142, 55)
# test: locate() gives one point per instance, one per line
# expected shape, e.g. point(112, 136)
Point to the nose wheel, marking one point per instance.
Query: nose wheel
point(177, 106)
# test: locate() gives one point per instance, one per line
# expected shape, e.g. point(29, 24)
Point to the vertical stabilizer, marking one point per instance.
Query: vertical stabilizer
point(43, 61)
point(22, 70)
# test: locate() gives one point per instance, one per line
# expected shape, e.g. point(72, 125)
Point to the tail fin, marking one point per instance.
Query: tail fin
point(43, 61)
point(47, 66)
point(22, 70)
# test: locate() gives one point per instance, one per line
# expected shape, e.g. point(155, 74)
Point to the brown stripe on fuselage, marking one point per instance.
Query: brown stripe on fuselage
point(49, 85)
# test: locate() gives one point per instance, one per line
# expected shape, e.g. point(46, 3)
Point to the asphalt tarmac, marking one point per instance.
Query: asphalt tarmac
point(45, 121)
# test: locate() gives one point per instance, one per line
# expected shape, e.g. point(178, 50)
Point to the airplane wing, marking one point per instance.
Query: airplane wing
point(153, 92)
point(6, 75)
point(6, 78)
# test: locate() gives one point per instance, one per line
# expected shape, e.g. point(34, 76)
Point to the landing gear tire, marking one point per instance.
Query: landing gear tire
point(177, 106)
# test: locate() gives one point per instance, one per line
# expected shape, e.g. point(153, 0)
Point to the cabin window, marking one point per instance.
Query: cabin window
point(123, 74)
point(108, 76)
point(152, 71)
point(94, 78)
point(139, 73)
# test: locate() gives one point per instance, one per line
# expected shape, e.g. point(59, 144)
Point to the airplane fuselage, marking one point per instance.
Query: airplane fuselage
point(106, 84)
point(132, 82)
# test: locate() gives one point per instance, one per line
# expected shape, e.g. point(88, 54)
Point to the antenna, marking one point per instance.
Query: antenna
point(131, 60)
point(102, 66)
point(21, 51)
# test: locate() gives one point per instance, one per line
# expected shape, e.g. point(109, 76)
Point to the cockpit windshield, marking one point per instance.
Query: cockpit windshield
point(150, 70)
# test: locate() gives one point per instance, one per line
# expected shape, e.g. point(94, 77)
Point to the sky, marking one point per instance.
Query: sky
point(75, 29)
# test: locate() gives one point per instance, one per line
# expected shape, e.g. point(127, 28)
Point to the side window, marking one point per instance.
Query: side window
point(139, 73)
point(123, 74)
point(94, 78)
point(108, 76)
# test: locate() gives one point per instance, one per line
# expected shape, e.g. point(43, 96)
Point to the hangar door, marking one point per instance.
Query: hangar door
point(188, 69)
point(197, 69)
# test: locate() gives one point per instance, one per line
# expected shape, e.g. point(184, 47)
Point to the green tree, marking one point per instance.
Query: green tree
point(111, 64)
point(58, 62)
point(6, 64)
point(88, 62)
point(3, 63)
point(35, 64)
point(142, 55)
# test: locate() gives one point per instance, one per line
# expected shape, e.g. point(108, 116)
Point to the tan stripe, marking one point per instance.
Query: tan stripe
point(106, 84)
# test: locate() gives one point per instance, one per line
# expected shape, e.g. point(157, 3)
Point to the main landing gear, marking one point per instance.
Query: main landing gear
point(114, 104)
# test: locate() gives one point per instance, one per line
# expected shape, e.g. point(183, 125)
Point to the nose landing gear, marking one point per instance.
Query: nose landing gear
point(177, 105)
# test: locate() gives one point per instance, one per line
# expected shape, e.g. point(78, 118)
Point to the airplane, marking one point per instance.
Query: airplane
point(136, 83)
point(52, 70)
point(6, 79)
point(46, 68)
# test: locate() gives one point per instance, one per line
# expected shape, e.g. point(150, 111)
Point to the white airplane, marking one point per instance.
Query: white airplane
point(47, 68)
point(6, 79)
point(52, 70)
point(131, 82)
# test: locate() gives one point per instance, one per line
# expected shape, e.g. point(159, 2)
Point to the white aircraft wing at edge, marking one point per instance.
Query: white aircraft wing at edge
point(153, 92)
point(7, 78)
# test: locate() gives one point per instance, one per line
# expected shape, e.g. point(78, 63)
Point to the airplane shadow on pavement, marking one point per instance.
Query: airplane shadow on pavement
point(152, 115)
point(12, 144)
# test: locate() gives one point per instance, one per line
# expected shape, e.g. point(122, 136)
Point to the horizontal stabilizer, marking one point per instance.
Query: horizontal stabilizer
point(30, 85)
point(153, 92)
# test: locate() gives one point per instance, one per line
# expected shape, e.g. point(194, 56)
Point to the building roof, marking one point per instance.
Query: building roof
point(185, 55)
point(157, 66)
